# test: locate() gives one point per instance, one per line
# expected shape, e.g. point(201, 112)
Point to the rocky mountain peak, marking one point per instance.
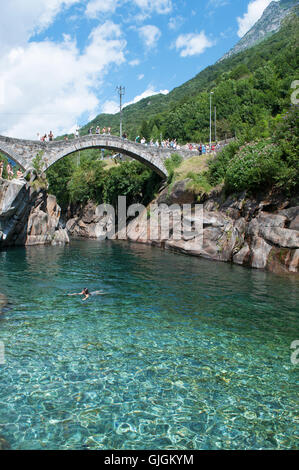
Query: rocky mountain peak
point(269, 23)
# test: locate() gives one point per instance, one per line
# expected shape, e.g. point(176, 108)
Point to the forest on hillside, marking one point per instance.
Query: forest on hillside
point(248, 90)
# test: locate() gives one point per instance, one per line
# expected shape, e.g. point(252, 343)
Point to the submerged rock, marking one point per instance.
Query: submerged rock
point(3, 302)
point(4, 444)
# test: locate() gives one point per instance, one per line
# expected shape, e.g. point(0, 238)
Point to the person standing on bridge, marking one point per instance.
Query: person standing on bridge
point(50, 136)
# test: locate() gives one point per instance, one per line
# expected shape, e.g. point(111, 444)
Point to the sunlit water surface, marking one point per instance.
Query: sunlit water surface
point(180, 352)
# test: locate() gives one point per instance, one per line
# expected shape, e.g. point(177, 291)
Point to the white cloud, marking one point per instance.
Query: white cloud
point(149, 92)
point(21, 19)
point(141, 76)
point(134, 62)
point(175, 22)
point(254, 12)
point(110, 107)
point(158, 6)
point(48, 85)
point(192, 44)
point(97, 7)
point(150, 35)
point(217, 3)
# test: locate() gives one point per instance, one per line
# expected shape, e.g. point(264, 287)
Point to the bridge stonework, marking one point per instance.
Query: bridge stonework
point(23, 152)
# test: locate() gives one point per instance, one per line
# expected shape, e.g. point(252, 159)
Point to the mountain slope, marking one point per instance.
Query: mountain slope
point(187, 106)
point(268, 24)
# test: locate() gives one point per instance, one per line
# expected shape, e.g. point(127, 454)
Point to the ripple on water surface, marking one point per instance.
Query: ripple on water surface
point(180, 353)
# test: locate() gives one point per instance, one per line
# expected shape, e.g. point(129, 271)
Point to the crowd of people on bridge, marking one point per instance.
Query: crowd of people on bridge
point(98, 131)
point(164, 143)
point(172, 144)
point(201, 148)
point(45, 137)
point(9, 171)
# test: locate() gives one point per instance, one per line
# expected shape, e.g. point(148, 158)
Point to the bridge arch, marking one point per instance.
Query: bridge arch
point(146, 155)
point(8, 152)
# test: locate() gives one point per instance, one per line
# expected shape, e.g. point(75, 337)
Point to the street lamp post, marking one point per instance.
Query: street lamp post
point(211, 93)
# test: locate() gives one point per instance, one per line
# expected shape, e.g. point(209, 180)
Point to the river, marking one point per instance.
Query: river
point(179, 353)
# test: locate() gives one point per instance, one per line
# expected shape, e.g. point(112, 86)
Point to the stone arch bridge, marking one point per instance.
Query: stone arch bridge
point(23, 152)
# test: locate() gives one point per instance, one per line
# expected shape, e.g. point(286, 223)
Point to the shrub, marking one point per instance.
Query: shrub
point(256, 166)
point(218, 166)
point(87, 182)
point(199, 183)
point(131, 179)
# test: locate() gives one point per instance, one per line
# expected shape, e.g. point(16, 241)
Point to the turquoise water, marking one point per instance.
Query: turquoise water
point(180, 353)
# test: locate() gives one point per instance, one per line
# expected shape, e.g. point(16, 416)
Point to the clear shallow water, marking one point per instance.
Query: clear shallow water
point(181, 353)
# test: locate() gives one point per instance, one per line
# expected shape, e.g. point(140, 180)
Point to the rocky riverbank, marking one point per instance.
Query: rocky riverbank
point(28, 216)
point(260, 233)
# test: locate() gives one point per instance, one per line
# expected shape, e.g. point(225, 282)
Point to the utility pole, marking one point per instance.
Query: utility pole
point(77, 135)
point(121, 91)
point(215, 118)
point(211, 93)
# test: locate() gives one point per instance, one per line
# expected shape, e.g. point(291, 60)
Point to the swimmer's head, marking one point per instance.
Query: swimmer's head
point(85, 291)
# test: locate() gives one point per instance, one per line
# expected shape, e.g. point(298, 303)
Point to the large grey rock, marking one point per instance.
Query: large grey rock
point(282, 237)
point(260, 250)
point(271, 228)
point(28, 216)
point(179, 194)
point(242, 256)
point(90, 223)
point(294, 225)
point(291, 213)
point(293, 266)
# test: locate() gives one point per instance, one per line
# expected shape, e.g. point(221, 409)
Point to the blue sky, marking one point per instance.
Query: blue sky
point(62, 60)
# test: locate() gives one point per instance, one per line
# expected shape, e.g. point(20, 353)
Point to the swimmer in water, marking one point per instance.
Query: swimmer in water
point(87, 294)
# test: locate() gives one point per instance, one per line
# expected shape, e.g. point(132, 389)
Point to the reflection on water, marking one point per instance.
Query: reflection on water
point(180, 353)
